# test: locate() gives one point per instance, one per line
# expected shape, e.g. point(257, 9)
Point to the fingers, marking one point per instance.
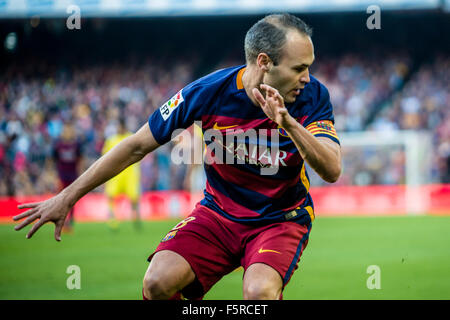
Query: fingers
point(27, 221)
point(269, 90)
point(58, 228)
point(36, 226)
point(272, 92)
point(25, 214)
point(49, 212)
point(28, 205)
point(259, 97)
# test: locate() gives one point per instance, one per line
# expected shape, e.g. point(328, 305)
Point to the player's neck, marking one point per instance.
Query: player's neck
point(251, 78)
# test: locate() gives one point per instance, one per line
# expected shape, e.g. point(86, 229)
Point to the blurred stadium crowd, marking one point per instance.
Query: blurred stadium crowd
point(388, 95)
point(39, 98)
point(34, 108)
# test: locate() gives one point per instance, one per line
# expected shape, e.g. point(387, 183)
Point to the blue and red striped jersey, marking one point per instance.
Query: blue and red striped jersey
point(240, 191)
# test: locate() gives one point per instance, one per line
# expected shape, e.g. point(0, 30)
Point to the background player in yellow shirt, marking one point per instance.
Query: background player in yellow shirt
point(126, 183)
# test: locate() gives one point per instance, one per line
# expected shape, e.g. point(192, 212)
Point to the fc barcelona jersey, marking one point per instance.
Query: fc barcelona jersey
point(241, 190)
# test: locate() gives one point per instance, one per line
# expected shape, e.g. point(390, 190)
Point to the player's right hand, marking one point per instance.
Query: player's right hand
point(54, 209)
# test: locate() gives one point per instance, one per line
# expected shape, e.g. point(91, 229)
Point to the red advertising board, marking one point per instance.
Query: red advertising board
point(328, 201)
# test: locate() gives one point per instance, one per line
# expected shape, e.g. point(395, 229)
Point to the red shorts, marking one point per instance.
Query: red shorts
point(214, 246)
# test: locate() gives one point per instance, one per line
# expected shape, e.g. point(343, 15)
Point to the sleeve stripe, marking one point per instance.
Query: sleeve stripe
point(323, 131)
point(314, 132)
point(335, 139)
point(314, 124)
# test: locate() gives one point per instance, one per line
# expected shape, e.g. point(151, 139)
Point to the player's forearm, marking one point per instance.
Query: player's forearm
point(322, 157)
point(109, 165)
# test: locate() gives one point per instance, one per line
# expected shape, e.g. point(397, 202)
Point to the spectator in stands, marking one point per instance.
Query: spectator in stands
point(33, 107)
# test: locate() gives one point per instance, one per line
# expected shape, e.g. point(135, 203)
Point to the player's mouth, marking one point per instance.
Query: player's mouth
point(297, 91)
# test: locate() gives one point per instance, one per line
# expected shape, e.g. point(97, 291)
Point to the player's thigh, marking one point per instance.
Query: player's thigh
point(168, 269)
point(206, 244)
point(279, 246)
point(261, 281)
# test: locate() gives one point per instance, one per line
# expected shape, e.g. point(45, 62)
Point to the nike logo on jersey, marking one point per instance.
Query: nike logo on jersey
point(217, 127)
point(261, 250)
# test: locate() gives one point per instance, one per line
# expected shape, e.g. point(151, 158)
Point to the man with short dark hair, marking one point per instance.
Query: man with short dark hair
point(67, 157)
point(277, 117)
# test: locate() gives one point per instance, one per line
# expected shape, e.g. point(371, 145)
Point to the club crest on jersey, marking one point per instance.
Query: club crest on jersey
point(324, 125)
point(282, 132)
point(169, 236)
point(167, 108)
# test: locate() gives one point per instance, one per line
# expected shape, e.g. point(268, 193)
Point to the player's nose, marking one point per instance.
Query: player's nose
point(304, 78)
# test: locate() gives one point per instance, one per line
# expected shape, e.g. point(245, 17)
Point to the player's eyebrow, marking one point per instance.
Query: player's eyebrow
point(303, 65)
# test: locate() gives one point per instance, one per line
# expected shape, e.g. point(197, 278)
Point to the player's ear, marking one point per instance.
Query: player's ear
point(264, 62)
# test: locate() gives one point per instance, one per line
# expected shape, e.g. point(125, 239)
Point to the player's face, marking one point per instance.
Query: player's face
point(291, 74)
point(68, 133)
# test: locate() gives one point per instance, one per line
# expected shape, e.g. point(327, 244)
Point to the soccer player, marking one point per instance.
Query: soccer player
point(258, 221)
point(67, 157)
point(125, 183)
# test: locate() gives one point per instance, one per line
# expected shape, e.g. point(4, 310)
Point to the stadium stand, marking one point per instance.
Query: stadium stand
point(39, 93)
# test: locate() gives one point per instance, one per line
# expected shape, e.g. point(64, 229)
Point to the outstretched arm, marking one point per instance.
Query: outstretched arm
point(322, 154)
point(128, 151)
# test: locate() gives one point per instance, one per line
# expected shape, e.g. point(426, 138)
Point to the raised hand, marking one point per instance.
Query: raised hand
point(272, 105)
point(52, 210)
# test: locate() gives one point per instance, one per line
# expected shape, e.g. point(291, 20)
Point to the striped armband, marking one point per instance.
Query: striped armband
point(324, 128)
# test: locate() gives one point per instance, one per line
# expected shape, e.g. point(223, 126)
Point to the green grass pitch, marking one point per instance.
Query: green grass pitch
point(413, 254)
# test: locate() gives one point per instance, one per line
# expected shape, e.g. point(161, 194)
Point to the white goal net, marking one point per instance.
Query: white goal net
point(387, 158)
